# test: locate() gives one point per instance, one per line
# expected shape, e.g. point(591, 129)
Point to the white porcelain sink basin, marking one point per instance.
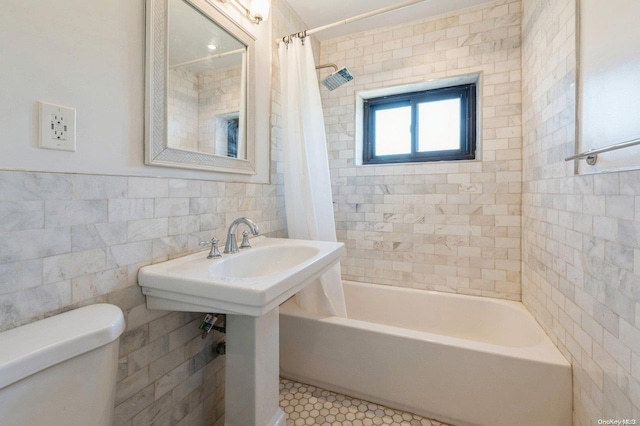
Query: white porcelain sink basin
point(251, 282)
point(262, 261)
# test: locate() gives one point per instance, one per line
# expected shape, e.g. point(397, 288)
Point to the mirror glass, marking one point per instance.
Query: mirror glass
point(200, 75)
point(206, 86)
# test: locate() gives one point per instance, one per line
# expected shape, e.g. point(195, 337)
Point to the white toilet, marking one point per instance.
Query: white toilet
point(61, 371)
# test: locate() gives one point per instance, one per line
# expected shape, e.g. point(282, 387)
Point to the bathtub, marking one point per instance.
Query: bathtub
point(459, 359)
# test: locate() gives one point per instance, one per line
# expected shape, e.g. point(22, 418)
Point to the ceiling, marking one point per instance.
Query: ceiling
point(316, 13)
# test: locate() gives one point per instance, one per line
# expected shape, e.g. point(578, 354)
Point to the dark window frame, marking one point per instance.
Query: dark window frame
point(467, 150)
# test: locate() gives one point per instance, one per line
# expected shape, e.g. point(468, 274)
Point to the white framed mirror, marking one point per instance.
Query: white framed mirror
point(200, 109)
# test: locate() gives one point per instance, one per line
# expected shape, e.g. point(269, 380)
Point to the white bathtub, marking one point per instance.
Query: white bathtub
point(460, 359)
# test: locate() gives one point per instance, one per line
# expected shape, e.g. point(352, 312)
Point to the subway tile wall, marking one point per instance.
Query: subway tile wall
point(220, 94)
point(199, 107)
point(182, 109)
point(453, 226)
point(71, 240)
point(581, 241)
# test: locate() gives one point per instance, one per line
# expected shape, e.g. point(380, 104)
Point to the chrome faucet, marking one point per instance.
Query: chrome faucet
point(231, 246)
point(214, 253)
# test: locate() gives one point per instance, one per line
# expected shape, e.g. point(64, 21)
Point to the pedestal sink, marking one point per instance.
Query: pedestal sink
point(247, 286)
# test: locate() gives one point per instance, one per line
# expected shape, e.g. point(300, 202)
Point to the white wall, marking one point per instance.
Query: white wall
point(92, 59)
point(85, 55)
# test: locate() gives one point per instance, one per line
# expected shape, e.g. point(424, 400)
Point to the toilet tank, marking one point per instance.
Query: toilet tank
point(61, 371)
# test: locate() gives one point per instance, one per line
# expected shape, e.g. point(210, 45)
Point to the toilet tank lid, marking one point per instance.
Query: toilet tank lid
point(31, 348)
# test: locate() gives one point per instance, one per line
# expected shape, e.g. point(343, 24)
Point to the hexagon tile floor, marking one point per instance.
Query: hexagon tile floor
point(309, 405)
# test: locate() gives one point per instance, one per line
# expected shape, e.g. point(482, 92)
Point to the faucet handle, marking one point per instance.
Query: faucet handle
point(245, 240)
point(214, 240)
point(215, 252)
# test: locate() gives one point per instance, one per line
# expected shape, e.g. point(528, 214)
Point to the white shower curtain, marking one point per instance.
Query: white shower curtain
point(307, 185)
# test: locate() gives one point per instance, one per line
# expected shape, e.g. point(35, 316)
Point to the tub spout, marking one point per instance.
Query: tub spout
point(231, 246)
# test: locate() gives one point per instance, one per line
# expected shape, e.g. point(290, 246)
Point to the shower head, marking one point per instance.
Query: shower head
point(337, 79)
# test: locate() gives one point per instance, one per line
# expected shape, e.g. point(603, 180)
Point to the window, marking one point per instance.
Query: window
point(428, 125)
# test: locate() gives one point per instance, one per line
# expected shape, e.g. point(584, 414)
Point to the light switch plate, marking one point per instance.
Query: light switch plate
point(57, 127)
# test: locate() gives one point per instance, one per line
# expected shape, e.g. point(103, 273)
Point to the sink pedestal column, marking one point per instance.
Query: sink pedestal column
point(252, 376)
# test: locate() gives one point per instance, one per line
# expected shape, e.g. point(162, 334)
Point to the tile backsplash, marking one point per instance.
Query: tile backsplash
point(71, 240)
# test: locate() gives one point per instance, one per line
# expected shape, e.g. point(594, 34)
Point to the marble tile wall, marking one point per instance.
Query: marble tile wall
point(452, 226)
point(194, 103)
point(71, 240)
point(219, 95)
point(182, 107)
point(581, 241)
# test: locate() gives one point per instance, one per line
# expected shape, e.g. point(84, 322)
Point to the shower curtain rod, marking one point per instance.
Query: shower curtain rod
point(355, 18)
